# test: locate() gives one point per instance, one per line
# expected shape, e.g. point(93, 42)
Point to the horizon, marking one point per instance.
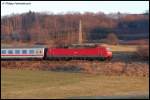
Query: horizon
point(64, 7)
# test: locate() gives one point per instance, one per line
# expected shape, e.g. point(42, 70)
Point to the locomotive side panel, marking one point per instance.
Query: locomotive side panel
point(73, 52)
point(98, 52)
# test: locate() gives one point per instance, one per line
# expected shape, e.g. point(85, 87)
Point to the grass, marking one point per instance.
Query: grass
point(46, 84)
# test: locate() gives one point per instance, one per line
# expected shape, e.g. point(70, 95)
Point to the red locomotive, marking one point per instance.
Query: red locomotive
point(91, 53)
point(79, 53)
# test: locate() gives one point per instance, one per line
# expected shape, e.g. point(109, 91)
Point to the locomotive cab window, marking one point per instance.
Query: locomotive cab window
point(3, 51)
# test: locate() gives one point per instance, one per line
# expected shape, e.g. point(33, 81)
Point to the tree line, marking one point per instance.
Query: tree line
point(64, 28)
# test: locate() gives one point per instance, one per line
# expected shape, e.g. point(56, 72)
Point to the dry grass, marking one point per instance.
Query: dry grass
point(92, 67)
point(47, 84)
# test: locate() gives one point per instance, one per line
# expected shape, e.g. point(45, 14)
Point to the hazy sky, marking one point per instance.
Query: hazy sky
point(9, 7)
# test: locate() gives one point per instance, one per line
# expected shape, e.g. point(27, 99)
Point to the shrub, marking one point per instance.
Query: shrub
point(143, 52)
point(112, 39)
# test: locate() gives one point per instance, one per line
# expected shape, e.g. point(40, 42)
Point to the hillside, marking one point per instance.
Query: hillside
point(42, 27)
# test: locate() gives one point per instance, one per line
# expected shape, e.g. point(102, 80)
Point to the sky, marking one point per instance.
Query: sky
point(18, 7)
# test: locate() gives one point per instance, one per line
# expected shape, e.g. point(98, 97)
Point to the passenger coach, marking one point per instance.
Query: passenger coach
point(22, 53)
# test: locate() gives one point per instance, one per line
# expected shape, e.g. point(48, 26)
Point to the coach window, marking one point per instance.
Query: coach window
point(10, 52)
point(24, 51)
point(31, 51)
point(3, 51)
point(17, 51)
point(40, 51)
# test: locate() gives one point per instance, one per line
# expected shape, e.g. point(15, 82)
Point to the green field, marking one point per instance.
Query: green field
point(46, 84)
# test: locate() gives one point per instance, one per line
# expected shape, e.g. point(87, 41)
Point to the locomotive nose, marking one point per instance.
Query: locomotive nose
point(109, 52)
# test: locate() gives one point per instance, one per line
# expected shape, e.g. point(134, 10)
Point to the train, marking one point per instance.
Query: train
point(42, 53)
